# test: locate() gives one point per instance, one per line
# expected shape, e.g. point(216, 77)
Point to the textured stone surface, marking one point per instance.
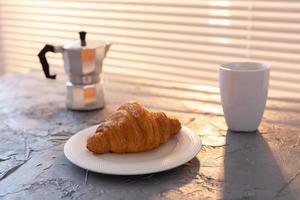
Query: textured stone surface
point(34, 125)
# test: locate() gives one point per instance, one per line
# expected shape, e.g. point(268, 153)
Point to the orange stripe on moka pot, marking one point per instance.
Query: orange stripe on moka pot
point(90, 95)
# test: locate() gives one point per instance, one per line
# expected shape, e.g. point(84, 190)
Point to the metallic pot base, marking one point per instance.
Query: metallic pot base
point(85, 97)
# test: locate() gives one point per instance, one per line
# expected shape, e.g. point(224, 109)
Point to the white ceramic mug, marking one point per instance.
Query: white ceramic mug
point(244, 92)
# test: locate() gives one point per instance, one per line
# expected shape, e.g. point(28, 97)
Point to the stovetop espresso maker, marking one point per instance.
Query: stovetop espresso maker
point(83, 66)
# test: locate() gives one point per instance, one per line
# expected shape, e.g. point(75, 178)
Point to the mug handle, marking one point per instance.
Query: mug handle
point(43, 59)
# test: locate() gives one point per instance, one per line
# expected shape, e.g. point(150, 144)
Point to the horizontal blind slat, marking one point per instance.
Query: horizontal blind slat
point(170, 40)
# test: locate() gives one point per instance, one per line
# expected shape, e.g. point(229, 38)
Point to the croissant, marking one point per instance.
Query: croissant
point(132, 128)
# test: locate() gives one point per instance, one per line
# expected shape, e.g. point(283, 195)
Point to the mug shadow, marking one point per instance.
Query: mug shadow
point(250, 170)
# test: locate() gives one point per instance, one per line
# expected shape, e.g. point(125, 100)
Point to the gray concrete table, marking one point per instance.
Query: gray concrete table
point(34, 125)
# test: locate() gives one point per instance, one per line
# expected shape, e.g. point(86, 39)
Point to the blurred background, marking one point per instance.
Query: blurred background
point(174, 41)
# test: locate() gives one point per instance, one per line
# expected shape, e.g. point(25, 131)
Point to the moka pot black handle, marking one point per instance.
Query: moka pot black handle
point(43, 60)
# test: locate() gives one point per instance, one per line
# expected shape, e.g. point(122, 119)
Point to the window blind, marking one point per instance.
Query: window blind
point(174, 41)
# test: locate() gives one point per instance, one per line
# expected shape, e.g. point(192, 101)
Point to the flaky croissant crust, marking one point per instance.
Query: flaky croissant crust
point(132, 128)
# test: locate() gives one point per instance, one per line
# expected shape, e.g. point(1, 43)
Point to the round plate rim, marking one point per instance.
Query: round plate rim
point(184, 130)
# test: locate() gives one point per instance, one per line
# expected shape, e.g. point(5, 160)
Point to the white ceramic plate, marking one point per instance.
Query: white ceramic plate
point(177, 151)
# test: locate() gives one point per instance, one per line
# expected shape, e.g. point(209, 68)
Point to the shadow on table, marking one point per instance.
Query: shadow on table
point(145, 186)
point(250, 170)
